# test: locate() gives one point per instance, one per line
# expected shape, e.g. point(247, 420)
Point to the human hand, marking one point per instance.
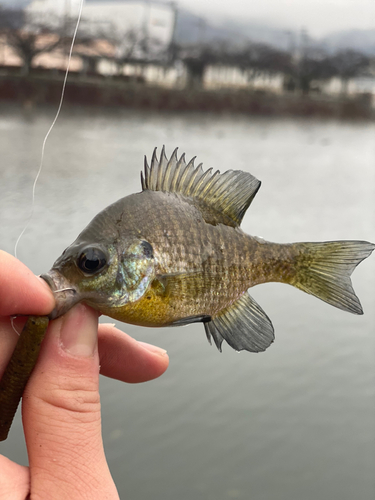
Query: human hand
point(61, 405)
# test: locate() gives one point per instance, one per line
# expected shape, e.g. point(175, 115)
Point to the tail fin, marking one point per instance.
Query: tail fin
point(324, 270)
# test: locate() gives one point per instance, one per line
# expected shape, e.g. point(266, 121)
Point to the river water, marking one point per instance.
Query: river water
point(296, 422)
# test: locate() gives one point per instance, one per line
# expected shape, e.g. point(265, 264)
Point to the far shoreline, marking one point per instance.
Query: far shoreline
point(40, 89)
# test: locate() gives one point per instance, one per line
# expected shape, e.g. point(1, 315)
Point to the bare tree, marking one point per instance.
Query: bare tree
point(313, 68)
point(348, 64)
point(320, 66)
point(105, 41)
point(253, 59)
point(198, 57)
point(29, 39)
point(260, 58)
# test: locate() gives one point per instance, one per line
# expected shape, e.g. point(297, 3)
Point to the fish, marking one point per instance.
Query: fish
point(174, 254)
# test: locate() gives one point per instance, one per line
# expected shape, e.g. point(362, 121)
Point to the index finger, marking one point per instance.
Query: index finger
point(21, 292)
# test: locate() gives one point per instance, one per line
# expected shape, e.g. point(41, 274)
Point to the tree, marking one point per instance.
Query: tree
point(130, 46)
point(349, 64)
point(256, 58)
point(197, 57)
point(29, 39)
point(314, 67)
point(321, 66)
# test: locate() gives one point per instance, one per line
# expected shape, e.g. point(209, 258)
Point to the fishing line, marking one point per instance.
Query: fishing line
point(51, 127)
point(12, 318)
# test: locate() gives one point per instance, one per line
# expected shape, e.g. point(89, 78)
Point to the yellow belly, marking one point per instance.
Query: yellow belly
point(154, 308)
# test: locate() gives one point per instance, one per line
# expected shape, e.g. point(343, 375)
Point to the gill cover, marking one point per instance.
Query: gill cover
point(136, 269)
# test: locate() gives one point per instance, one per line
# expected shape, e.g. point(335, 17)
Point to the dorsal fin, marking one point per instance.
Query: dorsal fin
point(229, 194)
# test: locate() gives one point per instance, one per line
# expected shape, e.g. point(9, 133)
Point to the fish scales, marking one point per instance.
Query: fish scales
point(217, 258)
point(224, 256)
point(174, 254)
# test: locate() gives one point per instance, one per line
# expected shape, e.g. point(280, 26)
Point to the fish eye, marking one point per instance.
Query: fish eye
point(148, 251)
point(92, 260)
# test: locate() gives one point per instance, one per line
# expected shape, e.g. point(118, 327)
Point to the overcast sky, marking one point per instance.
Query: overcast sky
point(319, 17)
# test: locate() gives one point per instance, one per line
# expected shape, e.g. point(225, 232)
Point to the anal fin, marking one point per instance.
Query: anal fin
point(244, 326)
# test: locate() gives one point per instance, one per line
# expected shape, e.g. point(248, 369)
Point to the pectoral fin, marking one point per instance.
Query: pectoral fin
point(244, 326)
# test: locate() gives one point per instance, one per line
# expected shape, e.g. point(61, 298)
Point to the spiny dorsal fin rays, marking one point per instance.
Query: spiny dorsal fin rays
point(229, 193)
point(177, 168)
point(170, 169)
point(144, 179)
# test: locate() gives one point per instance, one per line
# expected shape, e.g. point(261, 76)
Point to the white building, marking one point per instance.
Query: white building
point(150, 22)
point(40, 9)
point(220, 76)
point(353, 87)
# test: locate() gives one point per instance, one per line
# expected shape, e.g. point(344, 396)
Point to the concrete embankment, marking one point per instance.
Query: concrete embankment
point(36, 90)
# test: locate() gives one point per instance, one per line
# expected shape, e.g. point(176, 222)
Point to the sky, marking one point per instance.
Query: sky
point(319, 17)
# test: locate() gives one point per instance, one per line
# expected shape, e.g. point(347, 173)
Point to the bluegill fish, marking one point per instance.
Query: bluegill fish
point(174, 254)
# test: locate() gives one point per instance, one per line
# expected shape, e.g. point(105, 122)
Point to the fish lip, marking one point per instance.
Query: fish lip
point(49, 281)
point(66, 296)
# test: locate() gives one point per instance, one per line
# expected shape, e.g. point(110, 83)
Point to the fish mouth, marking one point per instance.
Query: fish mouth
point(66, 296)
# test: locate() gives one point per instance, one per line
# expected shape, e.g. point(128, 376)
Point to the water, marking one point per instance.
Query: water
point(296, 422)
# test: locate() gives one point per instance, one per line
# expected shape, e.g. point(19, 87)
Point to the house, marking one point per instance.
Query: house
point(146, 28)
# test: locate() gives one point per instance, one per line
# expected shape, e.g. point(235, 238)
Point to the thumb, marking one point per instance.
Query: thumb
point(61, 413)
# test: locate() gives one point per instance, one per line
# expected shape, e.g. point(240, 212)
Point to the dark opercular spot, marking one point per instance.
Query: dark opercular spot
point(147, 249)
point(92, 260)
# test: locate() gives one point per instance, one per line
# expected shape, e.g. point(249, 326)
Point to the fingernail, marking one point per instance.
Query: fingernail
point(153, 348)
point(79, 332)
